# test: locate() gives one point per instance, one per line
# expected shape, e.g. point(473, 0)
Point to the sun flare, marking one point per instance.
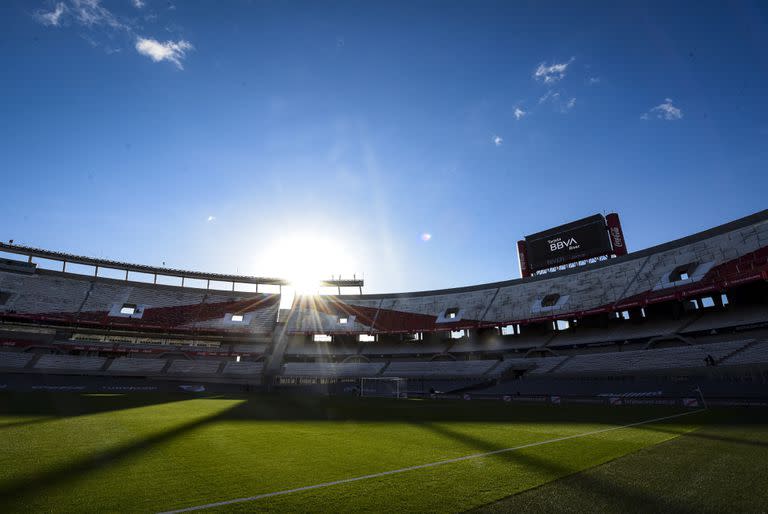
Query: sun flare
point(306, 260)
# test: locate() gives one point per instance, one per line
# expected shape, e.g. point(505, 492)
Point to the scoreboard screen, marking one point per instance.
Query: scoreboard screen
point(575, 241)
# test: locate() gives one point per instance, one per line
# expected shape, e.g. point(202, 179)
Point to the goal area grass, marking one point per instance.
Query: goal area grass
point(151, 452)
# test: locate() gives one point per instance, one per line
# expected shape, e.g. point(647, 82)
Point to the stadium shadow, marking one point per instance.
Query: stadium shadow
point(61, 405)
point(16, 424)
point(71, 471)
point(313, 408)
point(605, 488)
point(712, 437)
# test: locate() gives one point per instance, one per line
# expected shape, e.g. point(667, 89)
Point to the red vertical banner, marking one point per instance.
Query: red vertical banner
point(617, 235)
point(522, 256)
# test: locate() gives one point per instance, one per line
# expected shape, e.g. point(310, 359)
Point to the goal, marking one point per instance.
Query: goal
point(384, 387)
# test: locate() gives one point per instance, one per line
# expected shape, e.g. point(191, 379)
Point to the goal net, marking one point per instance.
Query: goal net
point(384, 387)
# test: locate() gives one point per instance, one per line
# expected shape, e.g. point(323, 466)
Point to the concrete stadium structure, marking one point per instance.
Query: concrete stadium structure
point(650, 313)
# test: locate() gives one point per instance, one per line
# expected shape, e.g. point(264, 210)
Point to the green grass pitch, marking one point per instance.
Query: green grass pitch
point(154, 453)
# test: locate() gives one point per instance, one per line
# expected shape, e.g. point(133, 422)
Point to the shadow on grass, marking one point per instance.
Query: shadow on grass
point(16, 424)
point(315, 408)
point(709, 436)
point(68, 472)
point(604, 488)
point(77, 404)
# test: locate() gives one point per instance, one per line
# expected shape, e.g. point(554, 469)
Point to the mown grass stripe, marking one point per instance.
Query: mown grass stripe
point(422, 466)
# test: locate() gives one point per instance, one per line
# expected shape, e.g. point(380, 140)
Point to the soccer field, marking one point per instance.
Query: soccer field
point(157, 453)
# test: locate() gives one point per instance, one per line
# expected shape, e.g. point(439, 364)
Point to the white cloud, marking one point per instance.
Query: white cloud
point(211, 218)
point(553, 73)
point(173, 51)
point(53, 18)
point(519, 113)
point(549, 95)
point(593, 80)
point(570, 104)
point(91, 12)
point(91, 15)
point(497, 140)
point(664, 111)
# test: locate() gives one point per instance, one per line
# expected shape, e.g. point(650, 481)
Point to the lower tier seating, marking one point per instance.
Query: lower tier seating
point(128, 365)
point(328, 369)
point(70, 363)
point(201, 367)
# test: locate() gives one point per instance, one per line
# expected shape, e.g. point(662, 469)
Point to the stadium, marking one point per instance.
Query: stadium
point(596, 359)
point(329, 256)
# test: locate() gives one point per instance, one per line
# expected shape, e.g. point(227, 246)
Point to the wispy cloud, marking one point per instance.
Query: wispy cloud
point(91, 13)
point(51, 18)
point(549, 95)
point(570, 104)
point(103, 24)
point(211, 218)
point(552, 73)
point(593, 80)
point(519, 113)
point(664, 111)
point(497, 140)
point(172, 51)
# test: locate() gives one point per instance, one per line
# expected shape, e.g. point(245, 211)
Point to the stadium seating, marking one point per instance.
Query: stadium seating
point(194, 367)
point(756, 353)
point(534, 365)
point(128, 365)
point(14, 359)
point(677, 357)
point(243, 368)
point(439, 368)
point(326, 369)
point(70, 363)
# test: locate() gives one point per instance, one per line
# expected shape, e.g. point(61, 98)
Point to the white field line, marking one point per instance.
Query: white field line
point(421, 466)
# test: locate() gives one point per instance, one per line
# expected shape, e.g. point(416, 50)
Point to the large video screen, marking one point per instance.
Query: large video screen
point(568, 243)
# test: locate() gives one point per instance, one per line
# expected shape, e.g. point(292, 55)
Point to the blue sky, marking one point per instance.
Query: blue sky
point(257, 137)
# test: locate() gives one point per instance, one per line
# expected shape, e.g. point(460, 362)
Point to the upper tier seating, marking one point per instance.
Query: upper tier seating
point(42, 294)
point(97, 302)
point(733, 316)
point(70, 363)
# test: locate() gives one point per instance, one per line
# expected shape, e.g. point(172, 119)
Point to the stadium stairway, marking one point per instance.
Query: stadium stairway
point(166, 366)
point(492, 368)
point(276, 352)
point(560, 364)
point(724, 358)
point(33, 362)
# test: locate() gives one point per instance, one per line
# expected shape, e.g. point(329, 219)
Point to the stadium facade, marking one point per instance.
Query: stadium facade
point(653, 322)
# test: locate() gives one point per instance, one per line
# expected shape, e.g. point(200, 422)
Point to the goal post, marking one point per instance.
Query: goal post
point(384, 387)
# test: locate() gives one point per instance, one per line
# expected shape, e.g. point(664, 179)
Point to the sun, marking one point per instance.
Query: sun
point(305, 260)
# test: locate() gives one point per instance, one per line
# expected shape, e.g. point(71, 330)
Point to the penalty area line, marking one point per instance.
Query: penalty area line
point(422, 466)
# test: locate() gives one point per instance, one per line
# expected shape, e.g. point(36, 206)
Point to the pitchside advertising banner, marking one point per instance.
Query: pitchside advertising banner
point(567, 243)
